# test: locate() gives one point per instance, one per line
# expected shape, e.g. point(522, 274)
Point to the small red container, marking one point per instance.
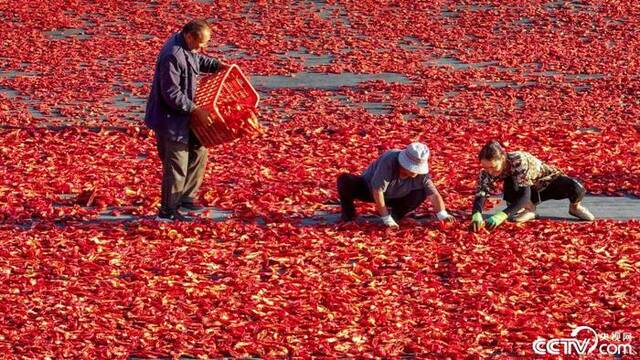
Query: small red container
point(232, 102)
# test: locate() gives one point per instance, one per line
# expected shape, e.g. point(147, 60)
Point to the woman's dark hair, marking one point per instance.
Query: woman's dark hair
point(491, 151)
point(195, 27)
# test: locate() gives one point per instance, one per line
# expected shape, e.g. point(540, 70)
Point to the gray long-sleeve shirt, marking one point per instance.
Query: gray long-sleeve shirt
point(383, 174)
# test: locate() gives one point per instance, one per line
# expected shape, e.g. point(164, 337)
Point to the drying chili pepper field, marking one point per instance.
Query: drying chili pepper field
point(86, 270)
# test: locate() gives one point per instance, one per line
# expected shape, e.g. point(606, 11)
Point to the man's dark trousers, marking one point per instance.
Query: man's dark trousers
point(183, 167)
point(351, 187)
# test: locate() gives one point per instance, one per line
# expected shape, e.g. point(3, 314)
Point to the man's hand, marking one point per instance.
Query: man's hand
point(201, 117)
point(223, 66)
point(443, 215)
point(388, 220)
point(476, 222)
point(496, 220)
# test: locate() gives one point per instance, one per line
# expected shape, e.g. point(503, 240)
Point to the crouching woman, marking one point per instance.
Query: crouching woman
point(527, 181)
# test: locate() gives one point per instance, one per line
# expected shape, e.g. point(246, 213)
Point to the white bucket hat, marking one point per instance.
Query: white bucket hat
point(415, 158)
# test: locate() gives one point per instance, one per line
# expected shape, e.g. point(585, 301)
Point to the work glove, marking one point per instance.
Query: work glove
point(477, 222)
point(496, 220)
point(443, 215)
point(388, 220)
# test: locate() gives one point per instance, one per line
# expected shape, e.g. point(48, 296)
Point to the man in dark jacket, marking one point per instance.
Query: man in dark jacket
point(170, 109)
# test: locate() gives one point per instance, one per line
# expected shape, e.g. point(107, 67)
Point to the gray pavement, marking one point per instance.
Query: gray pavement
point(602, 207)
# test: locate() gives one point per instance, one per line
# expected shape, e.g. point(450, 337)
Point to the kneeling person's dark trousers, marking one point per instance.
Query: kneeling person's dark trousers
point(563, 187)
point(183, 168)
point(353, 187)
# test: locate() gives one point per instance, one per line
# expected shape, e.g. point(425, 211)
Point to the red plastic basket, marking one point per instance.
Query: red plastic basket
point(232, 102)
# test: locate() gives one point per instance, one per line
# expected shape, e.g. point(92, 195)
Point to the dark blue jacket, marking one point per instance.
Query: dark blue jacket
point(173, 89)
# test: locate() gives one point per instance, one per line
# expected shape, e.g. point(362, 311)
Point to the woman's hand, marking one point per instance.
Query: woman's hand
point(477, 223)
point(496, 220)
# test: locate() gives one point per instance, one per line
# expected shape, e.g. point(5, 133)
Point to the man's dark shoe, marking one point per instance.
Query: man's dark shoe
point(172, 216)
point(347, 216)
point(193, 206)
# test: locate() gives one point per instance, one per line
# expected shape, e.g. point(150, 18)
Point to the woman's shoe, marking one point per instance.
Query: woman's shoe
point(581, 212)
point(524, 216)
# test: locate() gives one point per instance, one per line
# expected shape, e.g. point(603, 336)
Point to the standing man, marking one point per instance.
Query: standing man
point(170, 109)
point(397, 182)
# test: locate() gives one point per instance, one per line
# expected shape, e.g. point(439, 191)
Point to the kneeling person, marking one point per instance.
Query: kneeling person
point(527, 182)
point(398, 179)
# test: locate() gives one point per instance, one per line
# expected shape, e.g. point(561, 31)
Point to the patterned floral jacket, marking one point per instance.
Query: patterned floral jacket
point(526, 170)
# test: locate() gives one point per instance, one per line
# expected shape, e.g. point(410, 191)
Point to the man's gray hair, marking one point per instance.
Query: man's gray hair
point(195, 27)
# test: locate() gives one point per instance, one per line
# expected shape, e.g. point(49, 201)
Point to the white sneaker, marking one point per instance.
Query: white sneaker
point(526, 213)
point(524, 216)
point(581, 212)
